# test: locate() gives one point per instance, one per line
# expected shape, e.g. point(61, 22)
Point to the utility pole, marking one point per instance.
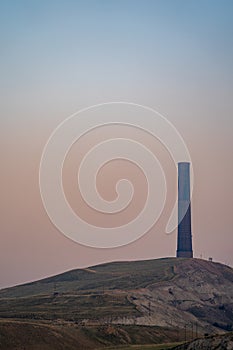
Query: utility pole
point(196, 329)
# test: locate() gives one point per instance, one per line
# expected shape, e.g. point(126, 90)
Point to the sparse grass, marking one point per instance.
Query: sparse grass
point(84, 294)
point(67, 307)
point(32, 335)
point(144, 347)
point(118, 275)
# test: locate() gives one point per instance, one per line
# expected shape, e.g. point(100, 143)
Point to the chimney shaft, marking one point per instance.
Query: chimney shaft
point(184, 239)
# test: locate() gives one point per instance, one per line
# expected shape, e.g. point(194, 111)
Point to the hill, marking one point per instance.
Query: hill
point(181, 297)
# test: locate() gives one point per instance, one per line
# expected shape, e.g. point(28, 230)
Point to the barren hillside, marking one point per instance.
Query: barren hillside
point(188, 297)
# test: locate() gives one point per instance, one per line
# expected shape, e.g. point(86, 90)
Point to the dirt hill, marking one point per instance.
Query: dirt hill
point(190, 296)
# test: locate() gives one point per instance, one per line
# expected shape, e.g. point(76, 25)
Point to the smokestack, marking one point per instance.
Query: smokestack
point(184, 239)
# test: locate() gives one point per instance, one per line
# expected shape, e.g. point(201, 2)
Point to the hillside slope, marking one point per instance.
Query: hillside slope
point(30, 335)
point(176, 293)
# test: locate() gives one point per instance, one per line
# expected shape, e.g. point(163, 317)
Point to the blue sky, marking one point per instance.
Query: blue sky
point(111, 41)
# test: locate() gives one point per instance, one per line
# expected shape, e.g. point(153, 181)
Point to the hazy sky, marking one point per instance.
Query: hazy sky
point(60, 56)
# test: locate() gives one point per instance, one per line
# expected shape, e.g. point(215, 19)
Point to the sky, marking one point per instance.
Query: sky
point(58, 57)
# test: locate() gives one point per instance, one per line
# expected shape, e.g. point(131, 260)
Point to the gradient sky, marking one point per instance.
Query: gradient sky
point(59, 56)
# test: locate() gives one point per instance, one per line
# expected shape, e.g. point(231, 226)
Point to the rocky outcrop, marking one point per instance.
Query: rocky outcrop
point(224, 342)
